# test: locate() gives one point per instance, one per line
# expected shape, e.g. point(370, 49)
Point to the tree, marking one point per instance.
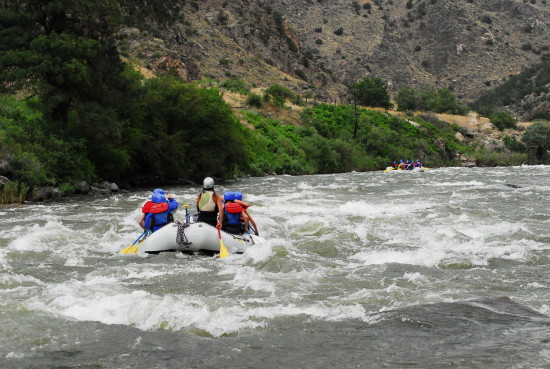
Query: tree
point(187, 130)
point(371, 92)
point(442, 101)
point(62, 51)
point(409, 99)
point(537, 140)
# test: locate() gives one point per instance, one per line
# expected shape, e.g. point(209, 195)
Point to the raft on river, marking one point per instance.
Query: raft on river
point(194, 237)
point(416, 169)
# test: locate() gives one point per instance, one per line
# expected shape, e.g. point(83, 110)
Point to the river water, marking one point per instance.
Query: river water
point(446, 268)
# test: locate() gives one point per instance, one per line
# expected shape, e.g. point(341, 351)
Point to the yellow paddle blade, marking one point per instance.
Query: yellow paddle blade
point(133, 249)
point(223, 250)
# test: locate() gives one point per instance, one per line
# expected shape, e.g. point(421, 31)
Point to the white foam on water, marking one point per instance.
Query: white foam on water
point(442, 245)
point(38, 238)
point(14, 280)
point(457, 184)
point(110, 303)
point(371, 210)
point(261, 252)
point(250, 278)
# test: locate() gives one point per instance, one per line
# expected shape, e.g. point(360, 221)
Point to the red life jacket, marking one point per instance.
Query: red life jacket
point(233, 208)
point(147, 207)
point(159, 208)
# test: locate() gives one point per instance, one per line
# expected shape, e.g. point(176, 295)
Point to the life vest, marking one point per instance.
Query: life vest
point(207, 203)
point(233, 213)
point(147, 207)
point(159, 216)
point(207, 208)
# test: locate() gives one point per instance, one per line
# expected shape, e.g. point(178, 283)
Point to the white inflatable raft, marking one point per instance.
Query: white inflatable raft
point(416, 169)
point(194, 237)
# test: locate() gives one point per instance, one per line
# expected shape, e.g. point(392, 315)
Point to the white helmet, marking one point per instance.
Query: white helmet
point(208, 183)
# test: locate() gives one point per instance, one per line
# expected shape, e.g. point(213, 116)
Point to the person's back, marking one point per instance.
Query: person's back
point(160, 211)
point(239, 200)
point(233, 212)
point(208, 204)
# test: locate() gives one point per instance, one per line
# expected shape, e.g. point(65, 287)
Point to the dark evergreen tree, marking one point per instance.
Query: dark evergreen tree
point(371, 92)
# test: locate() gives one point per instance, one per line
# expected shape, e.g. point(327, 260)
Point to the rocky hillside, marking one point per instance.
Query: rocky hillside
point(315, 47)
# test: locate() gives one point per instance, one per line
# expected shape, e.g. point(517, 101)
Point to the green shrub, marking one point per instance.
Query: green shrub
point(277, 94)
point(537, 140)
point(254, 100)
point(503, 120)
point(236, 85)
point(14, 193)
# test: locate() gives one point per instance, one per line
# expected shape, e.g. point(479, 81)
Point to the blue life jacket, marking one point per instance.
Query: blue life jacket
point(233, 213)
point(160, 215)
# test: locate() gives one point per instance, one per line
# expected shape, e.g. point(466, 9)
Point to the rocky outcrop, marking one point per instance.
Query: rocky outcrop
point(45, 193)
point(319, 46)
point(5, 168)
point(168, 64)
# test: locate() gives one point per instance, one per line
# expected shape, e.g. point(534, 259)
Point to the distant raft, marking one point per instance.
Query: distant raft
point(414, 170)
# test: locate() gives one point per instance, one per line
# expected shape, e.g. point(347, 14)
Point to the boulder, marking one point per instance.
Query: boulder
point(82, 188)
point(44, 193)
point(3, 181)
point(5, 167)
point(100, 191)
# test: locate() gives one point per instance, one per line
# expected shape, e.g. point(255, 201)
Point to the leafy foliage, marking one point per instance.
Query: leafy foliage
point(537, 140)
point(431, 99)
point(371, 92)
point(323, 144)
point(278, 94)
point(38, 158)
point(503, 120)
point(235, 84)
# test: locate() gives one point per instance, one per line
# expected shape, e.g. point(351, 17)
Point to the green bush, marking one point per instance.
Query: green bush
point(537, 140)
point(236, 85)
point(503, 120)
point(278, 95)
point(254, 100)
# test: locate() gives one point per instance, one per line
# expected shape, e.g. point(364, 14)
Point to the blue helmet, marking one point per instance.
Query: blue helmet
point(238, 196)
point(158, 197)
point(229, 196)
point(158, 190)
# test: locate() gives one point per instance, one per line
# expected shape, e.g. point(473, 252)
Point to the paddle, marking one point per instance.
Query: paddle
point(133, 248)
point(186, 214)
point(223, 250)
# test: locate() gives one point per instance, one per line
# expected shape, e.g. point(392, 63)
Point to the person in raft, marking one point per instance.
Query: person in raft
point(233, 215)
point(210, 205)
point(239, 200)
point(159, 211)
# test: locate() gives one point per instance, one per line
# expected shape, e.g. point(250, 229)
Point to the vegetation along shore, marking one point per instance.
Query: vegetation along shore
point(77, 108)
